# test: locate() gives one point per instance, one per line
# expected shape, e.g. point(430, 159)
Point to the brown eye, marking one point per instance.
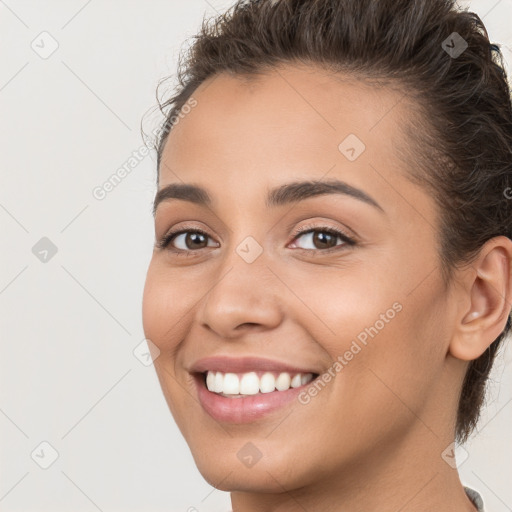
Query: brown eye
point(187, 241)
point(324, 240)
point(319, 238)
point(195, 240)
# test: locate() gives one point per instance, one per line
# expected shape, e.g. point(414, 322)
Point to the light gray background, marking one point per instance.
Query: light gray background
point(69, 326)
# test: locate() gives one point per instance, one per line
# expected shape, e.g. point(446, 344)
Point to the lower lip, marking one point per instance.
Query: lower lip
point(243, 410)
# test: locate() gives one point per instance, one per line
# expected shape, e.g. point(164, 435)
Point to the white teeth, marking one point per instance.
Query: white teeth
point(210, 380)
point(305, 378)
point(231, 384)
point(296, 381)
point(283, 382)
point(219, 382)
point(267, 383)
point(250, 384)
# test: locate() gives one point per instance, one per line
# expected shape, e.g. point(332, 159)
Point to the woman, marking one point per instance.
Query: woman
point(331, 277)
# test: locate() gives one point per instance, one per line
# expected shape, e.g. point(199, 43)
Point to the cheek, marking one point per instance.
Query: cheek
point(167, 301)
point(165, 305)
point(388, 335)
point(346, 307)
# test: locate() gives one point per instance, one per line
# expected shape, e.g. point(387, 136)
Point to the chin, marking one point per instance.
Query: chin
point(258, 465)
point(263, 477)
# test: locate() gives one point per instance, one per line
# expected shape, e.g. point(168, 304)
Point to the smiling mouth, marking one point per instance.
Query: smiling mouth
point(239, 385)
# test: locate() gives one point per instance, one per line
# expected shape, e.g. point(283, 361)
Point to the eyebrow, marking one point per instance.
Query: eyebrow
point(281, 195)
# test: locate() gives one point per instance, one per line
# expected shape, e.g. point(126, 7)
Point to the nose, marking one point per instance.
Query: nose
point(243, 298)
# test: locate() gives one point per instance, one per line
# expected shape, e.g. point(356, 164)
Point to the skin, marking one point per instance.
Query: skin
point(373, 437)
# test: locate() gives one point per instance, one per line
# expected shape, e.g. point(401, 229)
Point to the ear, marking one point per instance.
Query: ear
point(485, 301)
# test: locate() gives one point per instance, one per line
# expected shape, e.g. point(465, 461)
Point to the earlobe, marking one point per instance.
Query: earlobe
point(487, 289)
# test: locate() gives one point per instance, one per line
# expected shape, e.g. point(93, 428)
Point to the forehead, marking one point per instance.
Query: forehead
point(294, 108)
point(290, 122)
point(314, 93)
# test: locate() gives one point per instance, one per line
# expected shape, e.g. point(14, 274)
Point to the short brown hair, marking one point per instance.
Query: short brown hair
point(464, 152)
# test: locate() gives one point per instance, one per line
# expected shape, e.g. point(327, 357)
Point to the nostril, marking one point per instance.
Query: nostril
point(247, 324)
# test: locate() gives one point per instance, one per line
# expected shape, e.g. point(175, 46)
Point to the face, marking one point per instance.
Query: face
point(266, 277)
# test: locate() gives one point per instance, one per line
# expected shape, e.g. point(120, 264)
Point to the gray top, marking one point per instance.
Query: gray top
point(475, 498)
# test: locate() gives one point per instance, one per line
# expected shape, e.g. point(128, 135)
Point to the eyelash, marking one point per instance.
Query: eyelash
point(164, 242)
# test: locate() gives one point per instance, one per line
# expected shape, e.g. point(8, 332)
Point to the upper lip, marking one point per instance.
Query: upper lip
point(226, 364)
